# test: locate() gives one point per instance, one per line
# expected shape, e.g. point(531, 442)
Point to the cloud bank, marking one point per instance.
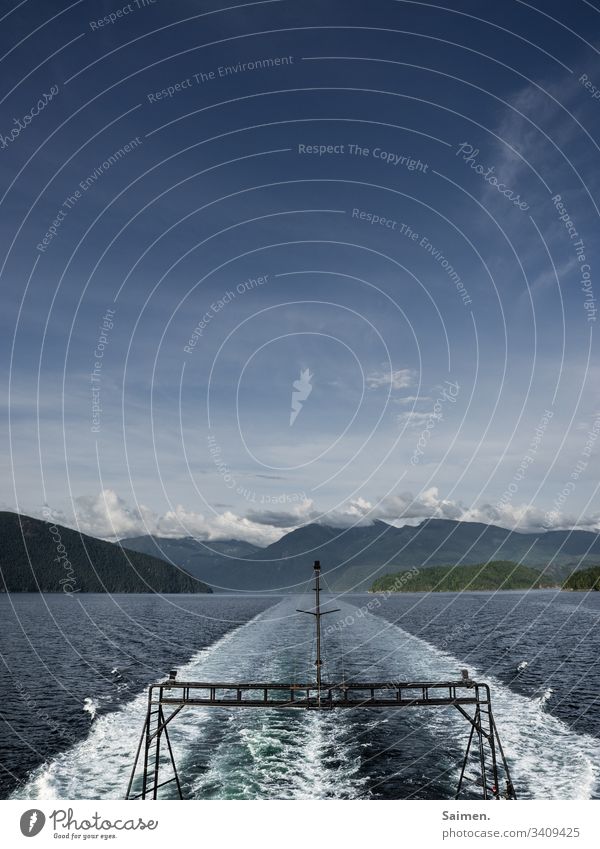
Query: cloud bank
point(109, 516)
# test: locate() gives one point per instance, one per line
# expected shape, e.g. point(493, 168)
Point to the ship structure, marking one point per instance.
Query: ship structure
point(484, 765)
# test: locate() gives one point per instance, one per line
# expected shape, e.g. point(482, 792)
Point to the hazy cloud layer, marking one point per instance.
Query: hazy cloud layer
point(109, 516)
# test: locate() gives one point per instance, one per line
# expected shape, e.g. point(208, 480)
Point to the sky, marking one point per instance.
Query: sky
point(270, 263)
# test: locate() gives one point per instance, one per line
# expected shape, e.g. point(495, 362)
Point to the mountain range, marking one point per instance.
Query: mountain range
point(38, 556)
point(353, 558)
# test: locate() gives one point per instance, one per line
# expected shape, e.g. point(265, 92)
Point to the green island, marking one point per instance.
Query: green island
point(495, 575)
point(584, 579)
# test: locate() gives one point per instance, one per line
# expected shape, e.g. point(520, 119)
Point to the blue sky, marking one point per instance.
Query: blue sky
point(363, 194)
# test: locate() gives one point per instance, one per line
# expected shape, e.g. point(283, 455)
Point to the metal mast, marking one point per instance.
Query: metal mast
point(317, 614)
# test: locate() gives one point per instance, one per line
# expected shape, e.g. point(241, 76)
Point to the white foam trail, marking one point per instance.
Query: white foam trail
point(548, 759)
point(99, 766)
point(283, 756)
point(545, 697)
point(329, 764)
point(277, 755)
point(91, 707)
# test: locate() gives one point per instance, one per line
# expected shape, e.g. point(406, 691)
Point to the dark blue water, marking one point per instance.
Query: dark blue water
point(75, 669)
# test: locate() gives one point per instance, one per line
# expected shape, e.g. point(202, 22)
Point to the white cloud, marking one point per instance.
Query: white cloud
point(108, 516)
point(227, 525)
point(426, 505)
point(524, 517)
point(398, 510)
point(412, 399)
point(398, 379)
point(405, 508)
point(414, 419)
point(292, 517)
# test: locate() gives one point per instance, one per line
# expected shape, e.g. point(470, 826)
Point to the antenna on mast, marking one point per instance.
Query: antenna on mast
point(317, 613)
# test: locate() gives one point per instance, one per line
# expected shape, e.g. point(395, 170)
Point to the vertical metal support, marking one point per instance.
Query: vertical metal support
point(173, 764)
point(147, 744)
point(318, 662)
point(317, 614)
point(481, 749)
point(492, 743)
point(137, 757)
point(157, 735)
point(510, 790)
point(465, 761)
point(491, 738)
point(155, 725)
